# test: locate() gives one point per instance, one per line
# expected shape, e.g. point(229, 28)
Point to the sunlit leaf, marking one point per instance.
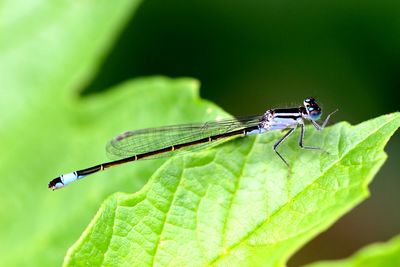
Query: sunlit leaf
point(48, 52)
point(238, 203)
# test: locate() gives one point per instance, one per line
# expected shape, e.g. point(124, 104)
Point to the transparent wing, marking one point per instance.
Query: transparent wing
point(145, 140)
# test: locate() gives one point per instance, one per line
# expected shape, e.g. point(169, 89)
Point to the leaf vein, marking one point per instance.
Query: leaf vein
point(237, 184)
point(246, 237)
point(166, 217)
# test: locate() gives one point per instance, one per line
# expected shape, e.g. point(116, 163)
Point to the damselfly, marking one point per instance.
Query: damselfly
point(155, 142)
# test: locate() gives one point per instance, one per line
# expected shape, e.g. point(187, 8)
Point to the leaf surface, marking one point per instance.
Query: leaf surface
point(238, 203)
point(49, 50)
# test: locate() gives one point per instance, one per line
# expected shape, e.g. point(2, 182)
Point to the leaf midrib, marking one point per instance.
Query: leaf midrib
point(237, 184)
point(166, 218)
point(241, 241)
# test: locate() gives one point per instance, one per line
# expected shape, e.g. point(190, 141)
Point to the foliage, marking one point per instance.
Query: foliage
point(51, 50)
point(237, 203)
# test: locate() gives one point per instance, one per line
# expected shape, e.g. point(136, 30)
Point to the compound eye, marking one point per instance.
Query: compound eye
point(315, 114)
point(309, 100)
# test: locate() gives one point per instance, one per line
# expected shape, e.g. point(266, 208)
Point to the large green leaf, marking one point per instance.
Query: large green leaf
point(238, 203)
point(48, 50)
point(379, 255)
point(47, 222)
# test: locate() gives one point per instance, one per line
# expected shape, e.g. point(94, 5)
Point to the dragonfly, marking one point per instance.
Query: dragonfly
point(163, 141)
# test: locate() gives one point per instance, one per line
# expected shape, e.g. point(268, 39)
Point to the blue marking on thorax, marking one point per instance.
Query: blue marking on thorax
point(256, 131)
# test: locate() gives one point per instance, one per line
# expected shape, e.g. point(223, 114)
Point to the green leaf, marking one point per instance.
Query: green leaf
point(238, 203)
point(76, 139)
point(49, 50)
point(379, 254)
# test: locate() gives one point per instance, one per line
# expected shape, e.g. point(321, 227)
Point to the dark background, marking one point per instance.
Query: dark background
point(254, 55)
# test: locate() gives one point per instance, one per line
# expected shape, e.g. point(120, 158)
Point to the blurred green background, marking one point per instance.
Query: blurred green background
point(254, 55)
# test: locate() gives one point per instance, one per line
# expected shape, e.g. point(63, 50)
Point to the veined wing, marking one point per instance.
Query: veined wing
point(145, 140)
